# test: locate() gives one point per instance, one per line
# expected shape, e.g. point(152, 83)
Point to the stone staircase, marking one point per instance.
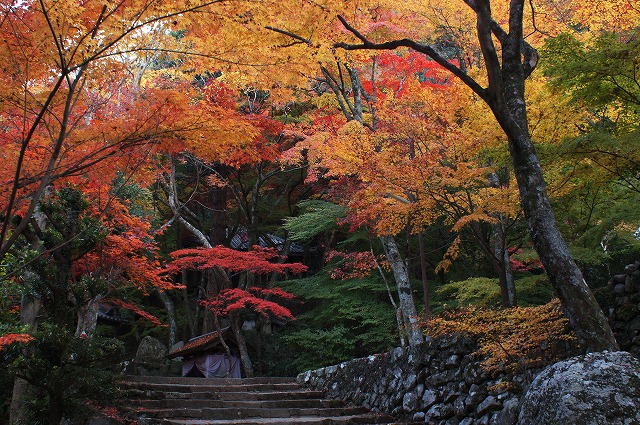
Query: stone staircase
point(200, 401)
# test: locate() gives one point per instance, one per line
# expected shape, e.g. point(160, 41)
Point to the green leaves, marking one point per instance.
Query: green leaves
point(600, 73)
point(317, 217)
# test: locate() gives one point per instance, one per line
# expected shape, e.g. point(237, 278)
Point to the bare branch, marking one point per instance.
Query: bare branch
point(290, 34)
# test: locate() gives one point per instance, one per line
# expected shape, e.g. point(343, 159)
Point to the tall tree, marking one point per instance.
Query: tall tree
point(504, 94)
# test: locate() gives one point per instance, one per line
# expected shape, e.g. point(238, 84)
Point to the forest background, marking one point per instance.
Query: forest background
point(355, 165)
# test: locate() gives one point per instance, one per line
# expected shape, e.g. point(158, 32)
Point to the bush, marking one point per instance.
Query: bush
point(514, 339)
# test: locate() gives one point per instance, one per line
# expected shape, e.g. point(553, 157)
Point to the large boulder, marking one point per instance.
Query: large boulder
point(599, 388)
point(151, 357)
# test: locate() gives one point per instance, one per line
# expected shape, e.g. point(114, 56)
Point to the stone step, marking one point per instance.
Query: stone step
point(205, 381)
point(309, 420)
point(212, 387)
point(299, 394)
point(236, 404)
point(269, 401)
point(242, 413)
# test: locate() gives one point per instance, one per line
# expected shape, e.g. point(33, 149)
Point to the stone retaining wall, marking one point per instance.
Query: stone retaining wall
point(440, 382)
point(624, 315)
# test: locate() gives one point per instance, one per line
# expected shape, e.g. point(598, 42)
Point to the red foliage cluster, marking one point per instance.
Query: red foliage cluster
point(396, 69)
point(134, 308)
point(526, 265)
point(258, 260)
point(354, 265)
point(6, 340)
point(234, 300)
point(219, 94)
point(128, 255)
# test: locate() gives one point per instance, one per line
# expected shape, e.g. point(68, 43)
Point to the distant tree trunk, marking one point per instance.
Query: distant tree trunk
point(227, 351)
point(245, 360)
point(88, 318)
point(501, 253)
point(171, 316)
point(405, 295)
point(425, 280)
point(29, 310)
point(399, 320)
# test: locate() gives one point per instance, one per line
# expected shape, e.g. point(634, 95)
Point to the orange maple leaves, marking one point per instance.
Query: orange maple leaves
point(8, 339)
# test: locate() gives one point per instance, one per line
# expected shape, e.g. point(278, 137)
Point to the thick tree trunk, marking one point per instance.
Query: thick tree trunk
point(507, 101)
point(29, 310)
point(580, 306)
point(404, 290)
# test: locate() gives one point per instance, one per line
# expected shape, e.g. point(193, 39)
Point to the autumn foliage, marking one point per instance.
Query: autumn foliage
point(512, 339)
point(134, 308)
point(8, 339)
point(258, 300)
point(259, 260)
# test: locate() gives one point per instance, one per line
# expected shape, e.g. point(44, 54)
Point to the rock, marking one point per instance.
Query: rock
point(452, 361)
point(418, 417)
point(151, 356)
point(489, 404)
point(428, 398)
point(439, 411)
point(599, 388)
point(410, 381)
point(419, 390)
point(628, 284)
point(438, 379)
point(410, 401)
point(619, 278)
point(460, 407)
point(509, 413)
point(633, 326)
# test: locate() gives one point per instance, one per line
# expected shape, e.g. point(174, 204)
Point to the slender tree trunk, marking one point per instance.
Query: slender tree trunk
point(227, 351)
point(171, 315)
point(501, 253)
point(245, 360)
point(425, 280)
point(399, 321)
point(191, 321)
point(404, 290)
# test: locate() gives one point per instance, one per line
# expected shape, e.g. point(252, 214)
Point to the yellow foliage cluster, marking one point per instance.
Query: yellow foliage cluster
point(514, 339)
